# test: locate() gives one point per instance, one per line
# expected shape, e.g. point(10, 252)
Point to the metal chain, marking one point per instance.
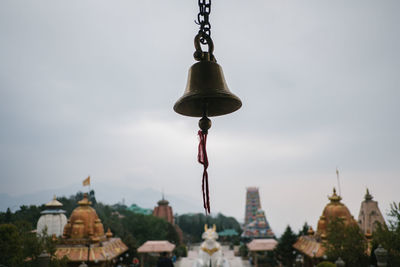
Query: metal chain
point(202, 19)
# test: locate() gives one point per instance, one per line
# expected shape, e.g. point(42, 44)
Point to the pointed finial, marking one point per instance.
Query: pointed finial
point(54, 197)
point(368, 196)
point(109, 234)
point(334, 197)
point(85, 201)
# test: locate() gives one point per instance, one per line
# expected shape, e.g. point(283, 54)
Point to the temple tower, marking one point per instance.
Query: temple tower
point(53, 219)
point(163, 210)
point(369, 215)
point(252, 204)
point(334, 209)
point(84, 239)
point(311, 245)
point(256, 224)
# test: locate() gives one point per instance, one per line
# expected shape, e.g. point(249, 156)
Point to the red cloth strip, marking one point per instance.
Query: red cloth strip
point(202, 159)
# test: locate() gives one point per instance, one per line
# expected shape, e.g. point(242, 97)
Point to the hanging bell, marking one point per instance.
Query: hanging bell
point(206, 92)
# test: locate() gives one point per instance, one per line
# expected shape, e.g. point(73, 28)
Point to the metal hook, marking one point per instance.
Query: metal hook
point(199, 55)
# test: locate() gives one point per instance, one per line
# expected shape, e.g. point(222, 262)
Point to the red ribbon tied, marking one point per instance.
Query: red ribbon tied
point(202, 159)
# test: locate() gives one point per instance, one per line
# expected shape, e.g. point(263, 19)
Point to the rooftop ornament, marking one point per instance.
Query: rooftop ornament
point(206, 94)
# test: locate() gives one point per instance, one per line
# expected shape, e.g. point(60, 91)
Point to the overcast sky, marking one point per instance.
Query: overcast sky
point(87, 87)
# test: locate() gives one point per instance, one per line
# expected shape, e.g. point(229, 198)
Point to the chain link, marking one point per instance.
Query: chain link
point(202, 19)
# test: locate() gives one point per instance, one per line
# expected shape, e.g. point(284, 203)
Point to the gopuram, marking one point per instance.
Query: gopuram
point(255, 223)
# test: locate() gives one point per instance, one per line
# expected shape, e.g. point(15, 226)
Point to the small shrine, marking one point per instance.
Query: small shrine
point(52, 219)
point(84, 240)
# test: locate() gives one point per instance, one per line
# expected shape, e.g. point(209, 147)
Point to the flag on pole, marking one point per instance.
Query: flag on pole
point(86, 181)
point(338, 181)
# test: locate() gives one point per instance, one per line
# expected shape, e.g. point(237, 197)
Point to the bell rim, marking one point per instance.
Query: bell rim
point(235, 101)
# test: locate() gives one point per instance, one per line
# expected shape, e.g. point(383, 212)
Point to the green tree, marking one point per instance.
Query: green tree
point(243, 250)
point(326, 264)
point(193, 225)
point(11, 253)
point(8, 216)
point(347, 242)
point(284, 250)
point(180, 251)
point(304, 229)
point(389, 236)
point(30, 214)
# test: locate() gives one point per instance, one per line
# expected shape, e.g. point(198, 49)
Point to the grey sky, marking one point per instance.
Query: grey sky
point(87, 87)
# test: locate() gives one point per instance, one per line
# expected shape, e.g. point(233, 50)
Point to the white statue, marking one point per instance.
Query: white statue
point(210, 252)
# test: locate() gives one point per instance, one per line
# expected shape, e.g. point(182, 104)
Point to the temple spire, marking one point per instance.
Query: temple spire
point(368, 196)
point(334, 197)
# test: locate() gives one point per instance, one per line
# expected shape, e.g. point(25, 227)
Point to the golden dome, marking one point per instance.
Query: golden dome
point(334, 209)
point(84, 224)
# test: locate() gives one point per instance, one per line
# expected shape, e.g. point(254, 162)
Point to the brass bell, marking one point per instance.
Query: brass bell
point(206, 92)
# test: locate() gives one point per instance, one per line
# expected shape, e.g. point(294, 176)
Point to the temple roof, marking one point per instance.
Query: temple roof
point(163, 202)
point(108, 250)
point(309, 246)
point(54, 203)
point(262, 244)
point(139, 210)
point(156, 246)
point(334, 209)
point(228, 232)
point(53, 211)
point(252, 189)
point(84, 224)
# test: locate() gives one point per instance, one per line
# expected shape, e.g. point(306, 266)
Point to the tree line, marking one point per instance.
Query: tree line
point(16, 229)
point(193, 225)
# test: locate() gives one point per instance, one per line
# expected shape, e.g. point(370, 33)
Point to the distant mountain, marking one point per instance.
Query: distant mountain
point(107, 194)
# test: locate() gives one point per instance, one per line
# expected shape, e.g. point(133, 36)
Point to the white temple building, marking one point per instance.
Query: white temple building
point(53, 219)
